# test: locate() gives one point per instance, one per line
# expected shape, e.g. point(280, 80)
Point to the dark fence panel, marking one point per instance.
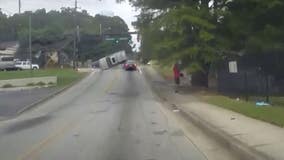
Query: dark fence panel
point(256, 73)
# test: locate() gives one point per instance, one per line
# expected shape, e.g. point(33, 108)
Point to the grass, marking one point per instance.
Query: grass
point(164, 70)
point(272, 114)
point(277, 101)
point(64, 76)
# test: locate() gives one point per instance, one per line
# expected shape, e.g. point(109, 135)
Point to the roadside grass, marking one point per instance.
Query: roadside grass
point(271, 114)
point(64, 76)
point(164, 70)
point(277, 100)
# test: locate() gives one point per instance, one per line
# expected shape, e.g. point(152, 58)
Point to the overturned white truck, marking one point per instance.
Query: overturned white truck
point(111, 60)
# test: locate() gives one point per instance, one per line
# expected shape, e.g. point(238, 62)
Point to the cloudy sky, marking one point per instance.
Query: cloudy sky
point(106, 7)
point(109, 7)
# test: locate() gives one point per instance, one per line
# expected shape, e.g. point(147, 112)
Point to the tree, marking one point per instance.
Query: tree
point(254, 26)
point(54, 30)
point(206, 32)
point(180, 30)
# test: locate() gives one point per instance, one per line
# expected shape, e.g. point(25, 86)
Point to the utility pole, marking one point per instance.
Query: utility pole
point(101, 29)
point(30, 41)
point(20, 6)
point(76, 5)
point(75, 35)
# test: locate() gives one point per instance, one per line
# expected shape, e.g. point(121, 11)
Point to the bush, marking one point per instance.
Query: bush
point(51, 83)
point(40, 84)
point(7, 86)
point(30, 84)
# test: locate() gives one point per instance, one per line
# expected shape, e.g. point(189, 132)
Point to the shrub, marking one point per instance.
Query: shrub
point(51, 83)
point(40, 84)
point(7, 86)
point(30, 84)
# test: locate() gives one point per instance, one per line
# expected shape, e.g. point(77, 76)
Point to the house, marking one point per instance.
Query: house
point(9, 48)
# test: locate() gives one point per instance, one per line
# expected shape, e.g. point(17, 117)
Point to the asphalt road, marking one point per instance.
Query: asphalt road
point(12, 102)
point(111, 115)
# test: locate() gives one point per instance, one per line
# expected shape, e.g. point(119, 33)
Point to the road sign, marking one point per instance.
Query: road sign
point(110, 39)
point(120, 39)
point(117, 40)
point(124, 38)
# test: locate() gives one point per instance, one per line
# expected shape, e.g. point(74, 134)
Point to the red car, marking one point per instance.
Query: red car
point(130, 66)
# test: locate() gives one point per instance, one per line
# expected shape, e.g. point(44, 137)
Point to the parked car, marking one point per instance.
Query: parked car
point(7, 63)
point(26, 65)
point(130, 65)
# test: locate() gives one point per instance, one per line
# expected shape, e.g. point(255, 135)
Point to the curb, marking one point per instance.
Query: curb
point(48, 97)
point(240, 149)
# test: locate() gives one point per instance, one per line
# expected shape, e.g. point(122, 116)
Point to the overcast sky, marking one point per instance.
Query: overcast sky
point(109, 7)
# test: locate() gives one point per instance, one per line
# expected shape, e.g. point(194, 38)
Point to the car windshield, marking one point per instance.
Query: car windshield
point(141, 79)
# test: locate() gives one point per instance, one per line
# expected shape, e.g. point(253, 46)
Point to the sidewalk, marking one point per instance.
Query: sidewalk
point(252, 138)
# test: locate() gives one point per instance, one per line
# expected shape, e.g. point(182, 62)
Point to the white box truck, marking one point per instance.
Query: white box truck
point(112, 60)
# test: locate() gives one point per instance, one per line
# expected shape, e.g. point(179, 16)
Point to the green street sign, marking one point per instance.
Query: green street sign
point(117, 40)
point(110, 39)
point(120, 39)
point(124, 38)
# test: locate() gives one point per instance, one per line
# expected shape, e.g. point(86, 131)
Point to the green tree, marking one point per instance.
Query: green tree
point(180, 30)
point(206, 32)
point(54, 30)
